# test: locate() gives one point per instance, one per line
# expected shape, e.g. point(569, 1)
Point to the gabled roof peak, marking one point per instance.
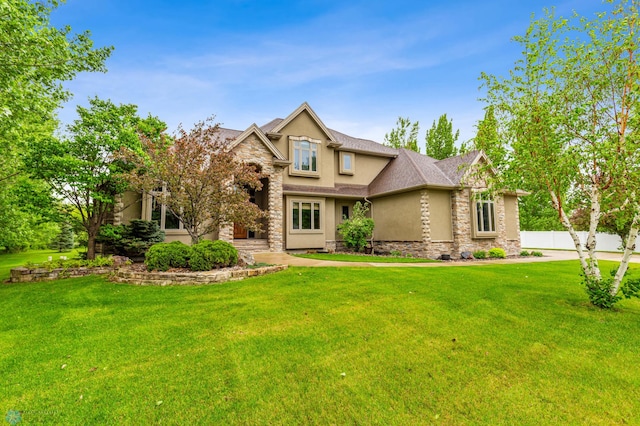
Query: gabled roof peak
point(305, 107)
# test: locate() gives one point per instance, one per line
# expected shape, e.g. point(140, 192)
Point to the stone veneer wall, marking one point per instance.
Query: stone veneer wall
point(462, 231)
point(462, 223)
point(253, 151)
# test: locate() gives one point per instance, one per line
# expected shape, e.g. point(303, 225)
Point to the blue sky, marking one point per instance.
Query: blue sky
point(359, 64)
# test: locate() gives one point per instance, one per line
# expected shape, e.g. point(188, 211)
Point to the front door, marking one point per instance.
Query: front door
point(239, 232)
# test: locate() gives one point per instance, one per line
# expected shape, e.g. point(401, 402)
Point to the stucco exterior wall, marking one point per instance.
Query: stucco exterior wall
point(397, 217)
point(130, 207)
point(441, 226)
point(511, 217)
point(367, 167)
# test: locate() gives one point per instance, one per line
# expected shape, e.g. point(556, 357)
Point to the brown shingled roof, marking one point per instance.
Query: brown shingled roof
point(349, 143)
point(455, 167)
point(413, 170)
point(228, 134)
point(270, 125)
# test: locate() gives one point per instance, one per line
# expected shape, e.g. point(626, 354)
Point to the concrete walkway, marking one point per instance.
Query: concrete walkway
point(549, 256)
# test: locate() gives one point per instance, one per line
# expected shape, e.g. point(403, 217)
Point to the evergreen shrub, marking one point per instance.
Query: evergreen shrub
point(207, 255)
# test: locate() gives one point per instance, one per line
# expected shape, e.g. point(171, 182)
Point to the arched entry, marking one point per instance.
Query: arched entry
point(261, 199)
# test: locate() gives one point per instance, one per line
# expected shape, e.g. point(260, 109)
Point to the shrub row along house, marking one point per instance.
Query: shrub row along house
point(314, 175)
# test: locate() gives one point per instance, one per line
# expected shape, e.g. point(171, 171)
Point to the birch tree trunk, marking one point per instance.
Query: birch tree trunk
point(628, 250)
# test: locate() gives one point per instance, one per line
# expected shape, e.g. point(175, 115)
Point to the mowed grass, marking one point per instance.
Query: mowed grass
point(346, 257)
point(492, 344)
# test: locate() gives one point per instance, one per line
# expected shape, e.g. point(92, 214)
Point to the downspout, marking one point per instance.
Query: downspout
point(371, 210)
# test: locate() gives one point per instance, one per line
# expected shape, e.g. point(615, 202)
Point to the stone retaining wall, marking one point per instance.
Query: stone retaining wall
point(190, 278)
point(25, 275)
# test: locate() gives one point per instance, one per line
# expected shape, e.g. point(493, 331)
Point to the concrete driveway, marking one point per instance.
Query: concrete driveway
point(548, 256)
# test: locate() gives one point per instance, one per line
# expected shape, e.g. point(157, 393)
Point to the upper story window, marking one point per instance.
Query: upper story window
point(306, 156)
point(485, 216)
point(347, 163)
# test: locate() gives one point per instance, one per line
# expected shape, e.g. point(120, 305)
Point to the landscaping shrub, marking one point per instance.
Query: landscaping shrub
point(524, 253)
point(132, 240)
point(162, 256)
point(480, 254)
point(207, 255)
point(536, 253)
point(497, 253)
point(357, 230)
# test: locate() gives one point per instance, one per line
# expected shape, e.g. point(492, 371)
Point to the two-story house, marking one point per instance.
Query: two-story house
point(315, 175)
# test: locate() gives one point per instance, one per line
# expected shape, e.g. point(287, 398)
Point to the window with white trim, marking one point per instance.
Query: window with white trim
point(305, 215)
point(160, 213)
point(347, 163)
point(485, 216)
point(306, 155)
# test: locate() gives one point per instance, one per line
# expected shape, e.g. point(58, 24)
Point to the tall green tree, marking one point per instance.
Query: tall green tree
point(487, 138)
point(404, 135)
point(568, 115)
point(82, 168)
point(35, 59)
point(441, 139)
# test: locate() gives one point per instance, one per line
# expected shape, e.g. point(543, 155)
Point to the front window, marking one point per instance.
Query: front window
point(305, 215)
point(485, 214)
point(306, 155)
point(160, 213)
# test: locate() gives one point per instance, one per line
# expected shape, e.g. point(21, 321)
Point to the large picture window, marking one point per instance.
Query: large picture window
point(306, 156)
point(485, 217)
point(305, 216)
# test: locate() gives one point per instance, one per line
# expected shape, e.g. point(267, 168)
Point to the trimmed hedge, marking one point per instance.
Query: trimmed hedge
point(163, 256)
point(207, 255)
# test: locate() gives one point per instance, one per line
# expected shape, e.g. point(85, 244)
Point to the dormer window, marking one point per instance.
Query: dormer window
point(305, 153)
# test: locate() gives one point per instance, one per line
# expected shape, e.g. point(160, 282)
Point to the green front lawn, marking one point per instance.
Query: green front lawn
point(496, 344)
point(347, 257)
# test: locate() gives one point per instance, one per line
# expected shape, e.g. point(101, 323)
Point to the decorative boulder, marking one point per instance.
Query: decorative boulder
point(466, 255)
point(245, 258)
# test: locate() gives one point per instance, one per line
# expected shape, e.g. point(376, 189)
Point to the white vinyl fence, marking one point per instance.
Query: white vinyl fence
point(562, 240)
